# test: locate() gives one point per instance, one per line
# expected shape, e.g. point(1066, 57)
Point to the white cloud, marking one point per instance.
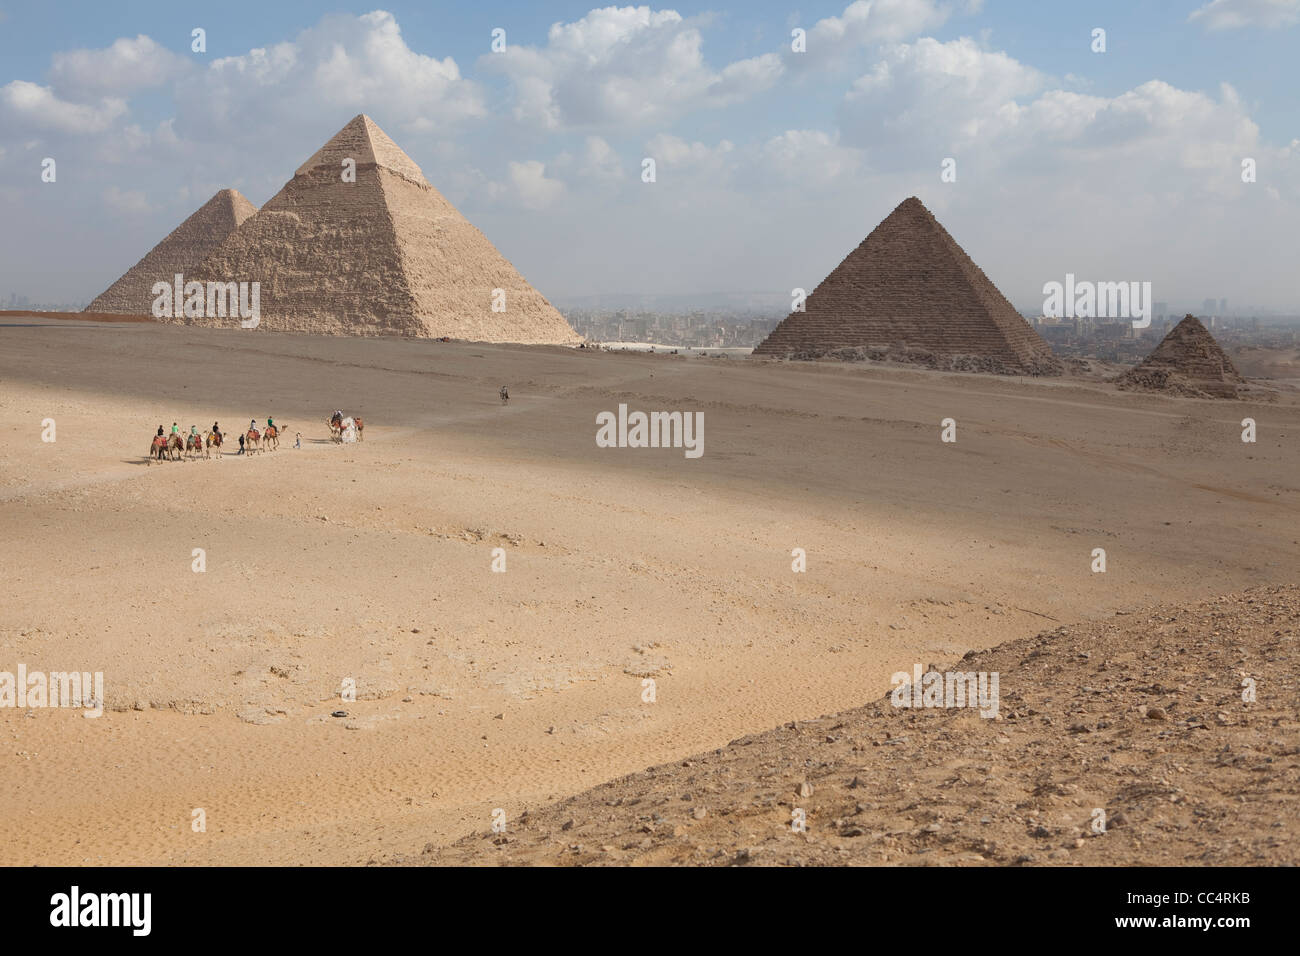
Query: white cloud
point(530, 185)
point(329, 72)
point(1234, 14)
point(32, 107)
point(130, 201)
point(929, 96)
point(623, 67)
point(125, 66)
point(599, 161)
point(673, 151)
point(810, 157)
point(875, 21)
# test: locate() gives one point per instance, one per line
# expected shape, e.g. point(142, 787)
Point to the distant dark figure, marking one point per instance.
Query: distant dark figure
point(505, 395)
point(241, 444)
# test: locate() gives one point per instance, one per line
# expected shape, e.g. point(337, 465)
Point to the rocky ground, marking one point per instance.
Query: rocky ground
point(1140, 718)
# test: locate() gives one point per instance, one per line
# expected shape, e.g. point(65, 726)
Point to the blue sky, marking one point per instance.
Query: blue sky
point(1123, 165)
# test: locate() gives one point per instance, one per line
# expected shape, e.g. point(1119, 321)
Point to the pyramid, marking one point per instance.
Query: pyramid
point(383, 255)
point(184, 248)
point(909, 291)
point(1188, 361)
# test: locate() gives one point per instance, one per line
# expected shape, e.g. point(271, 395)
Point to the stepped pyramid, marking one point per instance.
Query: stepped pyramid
point(1187, 361)
point(386, 254)
point(910, 291)
point(184, 248)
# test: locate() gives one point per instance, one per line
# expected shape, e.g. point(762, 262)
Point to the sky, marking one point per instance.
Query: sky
point(771, 164)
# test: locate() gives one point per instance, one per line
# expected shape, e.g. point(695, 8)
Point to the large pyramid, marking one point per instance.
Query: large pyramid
point(184, 248)
point(911, 292)
point(1188, 361)
point(384, 254)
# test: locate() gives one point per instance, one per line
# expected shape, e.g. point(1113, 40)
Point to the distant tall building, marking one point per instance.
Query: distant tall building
point(1223, 307)
point(1162, 309)
point(1208, 306)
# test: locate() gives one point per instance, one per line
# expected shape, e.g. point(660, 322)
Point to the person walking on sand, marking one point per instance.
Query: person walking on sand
point(241, 444)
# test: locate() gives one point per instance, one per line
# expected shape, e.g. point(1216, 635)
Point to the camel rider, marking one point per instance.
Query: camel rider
point(252, 424)
point(194, 431)
point(175, 429)
point(216, 430)
point(270, 423)
point(160, 431)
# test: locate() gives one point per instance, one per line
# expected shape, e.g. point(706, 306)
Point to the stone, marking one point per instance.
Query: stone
point(910, 291)
point(386, 254)
point(1188, 361)
point(182, 251)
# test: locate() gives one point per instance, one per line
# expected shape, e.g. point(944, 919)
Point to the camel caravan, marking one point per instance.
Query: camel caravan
point(255, 439)
point(178, 447)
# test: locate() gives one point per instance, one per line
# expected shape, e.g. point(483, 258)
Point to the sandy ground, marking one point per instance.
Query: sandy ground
point(1126, 742)
point(480, 690)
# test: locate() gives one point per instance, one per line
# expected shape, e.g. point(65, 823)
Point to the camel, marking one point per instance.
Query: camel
point(252, 441)
point(157, 448)
point(175, 448)
point(194, 444)
point(336, 429)
point(214, 441)
point(271, 438)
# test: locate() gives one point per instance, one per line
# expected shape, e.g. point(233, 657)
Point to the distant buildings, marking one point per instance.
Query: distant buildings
point(696, 329)
point(20, 303)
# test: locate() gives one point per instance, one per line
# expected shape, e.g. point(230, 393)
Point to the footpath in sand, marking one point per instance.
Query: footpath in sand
point(479, 690)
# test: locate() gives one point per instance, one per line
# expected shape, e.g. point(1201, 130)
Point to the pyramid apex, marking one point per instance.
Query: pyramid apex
point(363, 141)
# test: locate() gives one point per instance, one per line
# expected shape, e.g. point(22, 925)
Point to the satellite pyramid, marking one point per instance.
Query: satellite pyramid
point(359, 243)
point(1187, 361)
point(910, 291)
point(184, 248)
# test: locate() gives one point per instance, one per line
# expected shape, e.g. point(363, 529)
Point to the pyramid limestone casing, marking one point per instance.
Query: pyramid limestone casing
point(182, 251)
point(1188, 359)
point(909, 284)
point(386, 254)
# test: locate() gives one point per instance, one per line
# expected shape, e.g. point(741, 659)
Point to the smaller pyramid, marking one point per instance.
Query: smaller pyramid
point(909, 292)
point(184, 248)
point(1188, 361)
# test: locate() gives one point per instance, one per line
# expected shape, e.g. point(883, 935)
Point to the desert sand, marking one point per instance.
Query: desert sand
point(480, 690)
